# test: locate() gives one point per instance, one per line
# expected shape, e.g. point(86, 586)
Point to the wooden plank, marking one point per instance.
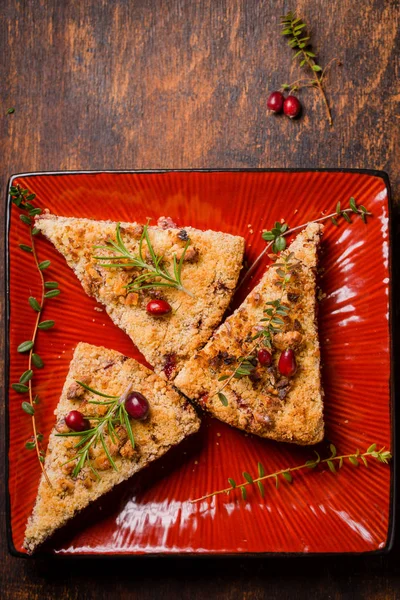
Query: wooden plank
point(147, 84)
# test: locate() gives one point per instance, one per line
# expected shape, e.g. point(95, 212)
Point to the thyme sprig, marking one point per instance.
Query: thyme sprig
point(116, 415)
point(155, 275)
point(23, 201)
point(333, 462)
point(298, 39)
point(272, 323)
point(276, 236)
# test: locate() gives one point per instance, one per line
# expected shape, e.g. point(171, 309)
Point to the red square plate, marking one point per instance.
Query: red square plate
point(350, 511)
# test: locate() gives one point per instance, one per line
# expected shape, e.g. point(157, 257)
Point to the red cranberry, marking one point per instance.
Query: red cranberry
point(275, 102)
point(264, 357)
point(292, 107)
point(137, 406)
point(287, 365)
point(170, 365)
point(158, 308)
point(76, 421)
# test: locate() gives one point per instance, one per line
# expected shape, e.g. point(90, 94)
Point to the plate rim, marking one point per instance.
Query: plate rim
point(394, 294)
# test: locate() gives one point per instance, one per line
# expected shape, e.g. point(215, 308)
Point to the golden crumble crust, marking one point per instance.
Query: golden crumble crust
point(210, 271)
point(171, 419)
point(266, 404)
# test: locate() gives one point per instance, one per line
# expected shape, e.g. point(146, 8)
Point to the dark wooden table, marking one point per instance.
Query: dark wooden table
point(132, 84)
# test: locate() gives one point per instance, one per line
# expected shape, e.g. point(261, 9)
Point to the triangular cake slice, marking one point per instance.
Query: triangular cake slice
point(271, 401)
point(170, 419)
point(209, 272)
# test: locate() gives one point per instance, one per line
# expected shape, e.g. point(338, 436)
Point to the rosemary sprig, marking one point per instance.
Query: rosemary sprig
point(298, 39)
point(276, 236)
point(272, 323)
point(333, 462)
point(156, 274)
point(115, 415)
point(23, 200)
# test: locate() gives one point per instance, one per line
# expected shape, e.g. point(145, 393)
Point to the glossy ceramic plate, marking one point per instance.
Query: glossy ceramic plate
point(320, 512)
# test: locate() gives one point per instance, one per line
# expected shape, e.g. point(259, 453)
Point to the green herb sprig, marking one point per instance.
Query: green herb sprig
point(333, 462)
point(116, 415)
point(276, 237)
point(271, 324)
point(295, 29)
point(23, 201)
point(156, 274)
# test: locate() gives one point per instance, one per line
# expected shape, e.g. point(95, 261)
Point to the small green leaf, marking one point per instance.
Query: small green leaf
point(35, 231)
point(11, 110)
point(261, 470)
point(26, 376)
point(287, 476)
point(25, 219)
point(353, 461)
point(20, 388)
point(31, 197)
point(46, 324)
point(232, 483)
point(338, 211)
point(35, 211)
point(279, 244)
point(34, 304)
point(372, 448)
point(52, 294)
point(28, 408)
point(44, 264)
point(268, 236)
point(311, 464)
point(331, 466)
point(340, 462)
point(25, 248)
point(346, 217)
point(36, 400)
point(276, 482)
point(30, 445)
point(364, 461)
point(353, 205)
point(244, 492)
point(223, 398)
point(223, 377)
point(311, 54)
point(51, 284)
point(303, 62)
point(333, 450)
point(334, 221)
point(261, 488)
point(247, 476)
point(37, 361)
point(25, 346)
point(316, 68)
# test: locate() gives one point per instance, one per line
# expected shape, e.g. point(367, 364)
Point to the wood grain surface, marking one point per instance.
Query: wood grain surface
point(130, 84)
